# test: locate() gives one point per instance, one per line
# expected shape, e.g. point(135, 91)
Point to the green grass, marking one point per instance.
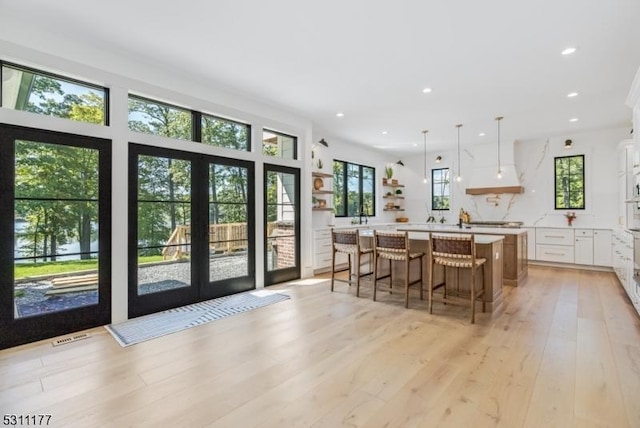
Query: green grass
point(23, 270)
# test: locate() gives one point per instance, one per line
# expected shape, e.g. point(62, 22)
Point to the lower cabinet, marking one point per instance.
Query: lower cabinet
point(590, 247)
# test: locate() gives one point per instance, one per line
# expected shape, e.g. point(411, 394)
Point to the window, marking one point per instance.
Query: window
point(39, 92)
point(279, 145)
point(155, 118)
point(440, 190)
point(353, 189)
point(569, 182)
point(225, 133)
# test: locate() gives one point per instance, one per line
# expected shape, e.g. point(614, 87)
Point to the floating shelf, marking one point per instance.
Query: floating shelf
point(392, 197)
point(322, 192)
point(393, 209)
point(321, 174)
point(393, 185)
point(321, 209)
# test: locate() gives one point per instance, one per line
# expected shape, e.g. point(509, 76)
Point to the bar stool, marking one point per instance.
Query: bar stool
point(348, 242)
point(455, 251)
point(395, 246)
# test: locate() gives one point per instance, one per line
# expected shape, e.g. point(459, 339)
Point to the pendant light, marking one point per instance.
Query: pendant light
point(424, 179)
point(458, 176)
point(498, 119)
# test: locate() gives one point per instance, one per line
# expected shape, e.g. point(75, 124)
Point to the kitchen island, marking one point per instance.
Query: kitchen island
point(489, 247)
point(515, 262)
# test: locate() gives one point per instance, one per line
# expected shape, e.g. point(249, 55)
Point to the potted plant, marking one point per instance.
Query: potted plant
point(314, 201)
point(398, 192)
point(388, 173)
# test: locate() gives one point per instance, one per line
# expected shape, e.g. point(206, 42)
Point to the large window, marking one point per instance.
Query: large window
point(155, 118)
point(39, 92)
point(569, 182)
point(353, 189)
point(225, 133)
point(279, 145)
point(440, 189)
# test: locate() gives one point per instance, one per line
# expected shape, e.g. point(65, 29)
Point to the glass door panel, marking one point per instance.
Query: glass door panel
point(55, 209)
point(282, 226)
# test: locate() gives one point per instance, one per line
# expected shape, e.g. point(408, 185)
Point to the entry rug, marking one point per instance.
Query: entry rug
point(170, 321)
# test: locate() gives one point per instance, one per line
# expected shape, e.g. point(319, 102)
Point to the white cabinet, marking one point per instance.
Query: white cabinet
point(602, 247)
point(321, 249)
point(583, 250)
point(554, 245)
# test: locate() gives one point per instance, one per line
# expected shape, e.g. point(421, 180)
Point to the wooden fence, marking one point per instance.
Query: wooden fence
point(224, 238)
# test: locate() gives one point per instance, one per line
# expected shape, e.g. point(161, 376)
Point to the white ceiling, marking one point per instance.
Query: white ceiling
point(371, 59)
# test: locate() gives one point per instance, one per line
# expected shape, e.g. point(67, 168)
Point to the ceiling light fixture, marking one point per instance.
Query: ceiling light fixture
point(573, 119)
point(458, 176)
point(568, 51)
point(481, 134)
point(339, 114)
point(568, 144)
point(426, 90)
point(498, 119)
point(384, 132)
point(424, 179)
point(572, 94)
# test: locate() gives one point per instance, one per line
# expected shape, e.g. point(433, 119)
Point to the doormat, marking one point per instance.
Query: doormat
point(173, 320)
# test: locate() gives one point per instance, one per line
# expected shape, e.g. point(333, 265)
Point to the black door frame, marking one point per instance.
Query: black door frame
point(200, 288)
point(286, 274)
point(28, 329)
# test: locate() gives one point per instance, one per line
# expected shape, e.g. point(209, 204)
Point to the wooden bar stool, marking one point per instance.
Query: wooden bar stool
point(348, 242)
point(455, 251)
point(395, 246)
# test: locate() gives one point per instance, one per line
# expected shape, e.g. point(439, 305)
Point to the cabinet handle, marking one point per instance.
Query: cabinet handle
point(554, 254)
point(554, 236)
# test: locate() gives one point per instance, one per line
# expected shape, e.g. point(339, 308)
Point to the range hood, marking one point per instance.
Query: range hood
point(484, 178)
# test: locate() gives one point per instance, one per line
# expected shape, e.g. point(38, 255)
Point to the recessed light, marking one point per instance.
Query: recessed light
point(340, 114)
point(426, 90)
point(481, 134)
point(415, 145)
point(568, 51)
point(572, 94)
point(573, 119)
point(384, 132)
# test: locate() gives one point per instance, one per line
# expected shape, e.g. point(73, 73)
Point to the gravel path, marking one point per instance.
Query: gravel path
point(31, 299)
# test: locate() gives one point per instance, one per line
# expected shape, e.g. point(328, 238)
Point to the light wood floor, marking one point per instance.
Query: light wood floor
point(565, 352)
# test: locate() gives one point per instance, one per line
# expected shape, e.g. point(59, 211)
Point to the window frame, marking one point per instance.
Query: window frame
point(198, 129)
point(345, 191)
point(282, 134)
point(107, 101)
point(433, 193)
point(555, 183)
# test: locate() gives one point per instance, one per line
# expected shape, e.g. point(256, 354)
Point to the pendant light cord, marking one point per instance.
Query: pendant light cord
point(425, 154)
point(459, 169)
point(499, 118)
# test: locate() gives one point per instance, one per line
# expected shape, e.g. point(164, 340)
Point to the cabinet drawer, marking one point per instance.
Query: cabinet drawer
point(583, 232)
point(554, 236)
point(322, 246)
point(554, 253)
point(322, 234)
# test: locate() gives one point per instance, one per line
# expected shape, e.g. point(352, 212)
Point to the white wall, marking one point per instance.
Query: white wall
point(534, 164)
point(66, 58)
point(351, 152)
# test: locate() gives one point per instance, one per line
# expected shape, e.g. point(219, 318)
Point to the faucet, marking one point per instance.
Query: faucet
point(363, 214)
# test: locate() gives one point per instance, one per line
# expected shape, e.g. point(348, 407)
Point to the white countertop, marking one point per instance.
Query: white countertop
point(456, 229)
point(424, 236)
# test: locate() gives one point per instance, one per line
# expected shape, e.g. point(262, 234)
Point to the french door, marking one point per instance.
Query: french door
point(191, 228)
point(55, 230)
point(281, 224)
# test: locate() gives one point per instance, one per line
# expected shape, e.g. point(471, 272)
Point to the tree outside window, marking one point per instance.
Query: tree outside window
point(569, 182)
point(440, 190)
point(353, 189)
